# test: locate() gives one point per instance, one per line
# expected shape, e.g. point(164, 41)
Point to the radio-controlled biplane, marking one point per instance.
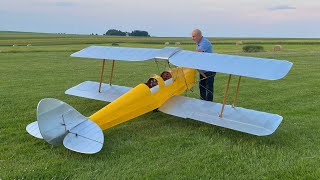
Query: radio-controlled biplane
point(59, 123)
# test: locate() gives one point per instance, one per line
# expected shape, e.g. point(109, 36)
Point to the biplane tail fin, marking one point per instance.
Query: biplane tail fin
point(59, 123)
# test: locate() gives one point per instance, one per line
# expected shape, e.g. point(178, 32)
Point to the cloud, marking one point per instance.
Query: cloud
point(282, 7)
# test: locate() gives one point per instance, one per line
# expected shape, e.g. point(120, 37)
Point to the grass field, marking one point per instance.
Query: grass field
point(157, 145)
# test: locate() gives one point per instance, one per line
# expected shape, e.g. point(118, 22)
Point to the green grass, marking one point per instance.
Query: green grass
point(157, 145)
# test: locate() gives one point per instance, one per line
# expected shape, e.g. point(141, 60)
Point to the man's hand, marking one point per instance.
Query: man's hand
point(199, 50)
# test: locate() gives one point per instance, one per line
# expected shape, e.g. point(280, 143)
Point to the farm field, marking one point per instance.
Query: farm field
point(157, 145)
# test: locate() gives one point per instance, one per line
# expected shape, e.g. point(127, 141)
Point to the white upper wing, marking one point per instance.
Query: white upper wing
point(117, 53)
point(269, 69)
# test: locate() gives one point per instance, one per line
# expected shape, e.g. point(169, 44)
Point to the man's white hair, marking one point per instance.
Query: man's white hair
point(197, 31)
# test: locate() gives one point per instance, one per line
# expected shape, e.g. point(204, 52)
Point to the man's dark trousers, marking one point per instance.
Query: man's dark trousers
point(206, 86)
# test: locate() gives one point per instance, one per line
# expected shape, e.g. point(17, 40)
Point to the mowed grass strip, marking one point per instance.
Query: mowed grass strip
point(157, 145)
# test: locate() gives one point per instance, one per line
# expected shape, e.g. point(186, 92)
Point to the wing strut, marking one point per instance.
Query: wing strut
point(225, 96)
point(237, 92)
point(102, 71)
point(101, 77)
point(110, 81)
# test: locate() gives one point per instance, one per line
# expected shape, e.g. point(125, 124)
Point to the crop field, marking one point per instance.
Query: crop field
point(157, 145)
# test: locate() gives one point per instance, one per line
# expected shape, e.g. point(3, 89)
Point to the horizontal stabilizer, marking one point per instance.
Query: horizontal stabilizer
point(33, 129)
point(86, 137)
point(240, 119)
point(89, 89)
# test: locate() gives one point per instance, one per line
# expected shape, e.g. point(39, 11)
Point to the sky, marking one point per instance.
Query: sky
point(165, 18)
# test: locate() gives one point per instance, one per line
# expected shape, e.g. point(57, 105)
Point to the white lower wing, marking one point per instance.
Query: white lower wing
point(240, 119)
point(90, 89)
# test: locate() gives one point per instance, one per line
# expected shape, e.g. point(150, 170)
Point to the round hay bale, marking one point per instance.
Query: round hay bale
point(29, 45)
point(277, 48)
point(178, 43)
point(239, 43)
point(14, 45)
point(166, 43)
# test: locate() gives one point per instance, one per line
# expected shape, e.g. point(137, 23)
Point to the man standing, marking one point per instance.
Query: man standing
point(206, 82)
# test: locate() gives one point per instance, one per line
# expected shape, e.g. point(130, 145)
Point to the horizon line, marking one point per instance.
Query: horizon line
point(81, 34)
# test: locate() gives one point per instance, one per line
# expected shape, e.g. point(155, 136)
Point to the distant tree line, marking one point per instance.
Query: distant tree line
point(115, 32)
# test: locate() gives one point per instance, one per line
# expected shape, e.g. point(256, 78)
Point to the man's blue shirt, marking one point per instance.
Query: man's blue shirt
point(204, 45)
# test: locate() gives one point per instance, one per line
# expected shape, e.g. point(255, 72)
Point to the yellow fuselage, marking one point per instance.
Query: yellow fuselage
point(141, 100)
